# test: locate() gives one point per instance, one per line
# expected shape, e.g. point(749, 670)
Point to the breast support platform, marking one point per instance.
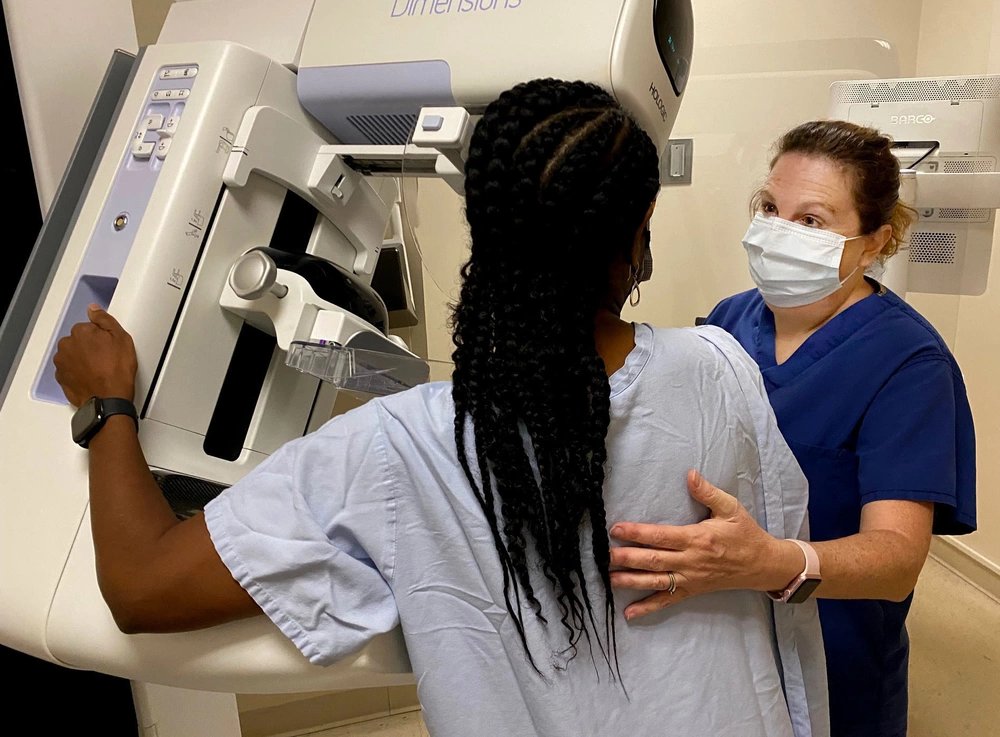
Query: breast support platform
point(234, 219)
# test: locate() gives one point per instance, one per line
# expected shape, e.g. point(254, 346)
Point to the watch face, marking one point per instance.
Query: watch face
point(84, 419)
point(804, 591)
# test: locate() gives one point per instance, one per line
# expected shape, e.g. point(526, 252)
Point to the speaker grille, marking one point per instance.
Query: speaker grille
point(916, 90)
point(933, 248)
point(385, 130)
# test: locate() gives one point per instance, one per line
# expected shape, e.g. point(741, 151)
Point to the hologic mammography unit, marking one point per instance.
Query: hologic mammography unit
point(239, 215)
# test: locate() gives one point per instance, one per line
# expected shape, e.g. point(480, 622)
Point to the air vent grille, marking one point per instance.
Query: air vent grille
point(967, 166)
point(387, 130)
point(917, 90)
point(933, 248)
point(959, 213)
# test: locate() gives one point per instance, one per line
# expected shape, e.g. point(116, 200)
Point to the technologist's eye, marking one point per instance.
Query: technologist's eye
point(768, 208)
point(810, 222)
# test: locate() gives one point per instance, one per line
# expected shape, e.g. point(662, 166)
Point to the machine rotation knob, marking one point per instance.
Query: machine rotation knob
point(255, 274)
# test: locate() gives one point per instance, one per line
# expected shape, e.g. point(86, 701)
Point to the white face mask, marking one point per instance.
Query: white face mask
point(876, 271)
point(793, 265)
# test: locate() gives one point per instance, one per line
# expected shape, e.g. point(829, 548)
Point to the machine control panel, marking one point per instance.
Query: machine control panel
point(164, 110)
point(147, 150)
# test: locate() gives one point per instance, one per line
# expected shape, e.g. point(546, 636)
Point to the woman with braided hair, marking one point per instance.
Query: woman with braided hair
point(474, 513)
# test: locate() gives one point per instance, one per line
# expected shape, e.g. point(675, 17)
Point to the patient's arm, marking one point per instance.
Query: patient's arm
point(156, 573)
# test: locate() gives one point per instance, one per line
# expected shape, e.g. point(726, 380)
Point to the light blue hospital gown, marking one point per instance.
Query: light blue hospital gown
point(370, 523)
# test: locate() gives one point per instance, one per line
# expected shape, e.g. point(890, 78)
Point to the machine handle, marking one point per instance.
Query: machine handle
point(255, 274)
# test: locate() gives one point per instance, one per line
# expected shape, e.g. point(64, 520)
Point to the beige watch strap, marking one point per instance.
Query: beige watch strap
point(812, 558)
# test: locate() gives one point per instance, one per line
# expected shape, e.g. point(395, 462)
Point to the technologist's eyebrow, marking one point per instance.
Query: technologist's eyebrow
point(829, 209)
point(817, 205)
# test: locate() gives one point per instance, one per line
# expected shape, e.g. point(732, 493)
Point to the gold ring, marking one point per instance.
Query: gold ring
point(673, 582)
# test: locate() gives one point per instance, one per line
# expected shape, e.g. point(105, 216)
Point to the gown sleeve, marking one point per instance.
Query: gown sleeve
point(310, 535)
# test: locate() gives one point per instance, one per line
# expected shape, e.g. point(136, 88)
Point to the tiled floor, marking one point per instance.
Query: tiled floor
point(954, 665)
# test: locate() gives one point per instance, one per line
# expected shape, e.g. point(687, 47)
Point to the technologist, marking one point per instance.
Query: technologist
point(872, 404)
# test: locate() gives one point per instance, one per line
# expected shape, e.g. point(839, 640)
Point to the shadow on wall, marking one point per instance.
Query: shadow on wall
point(149, 17)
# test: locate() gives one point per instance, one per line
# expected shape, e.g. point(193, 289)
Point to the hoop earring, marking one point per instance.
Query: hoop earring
point(634, 294)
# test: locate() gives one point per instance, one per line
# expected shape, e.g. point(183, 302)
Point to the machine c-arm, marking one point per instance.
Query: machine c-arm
point(332, 179)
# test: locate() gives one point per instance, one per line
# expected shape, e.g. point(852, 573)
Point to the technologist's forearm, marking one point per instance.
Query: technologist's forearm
point(873, 564)
point(128, 512)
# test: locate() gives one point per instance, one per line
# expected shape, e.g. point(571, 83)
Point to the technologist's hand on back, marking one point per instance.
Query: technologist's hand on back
point(97, 359)
point(729, 550)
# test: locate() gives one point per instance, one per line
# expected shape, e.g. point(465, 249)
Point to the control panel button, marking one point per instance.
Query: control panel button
point(152, 122)
point(163, 148)
point(178, 73)
point(142, 150)
point(170, 126)
point(432, 123)
point(170, 94)
point(138, 136)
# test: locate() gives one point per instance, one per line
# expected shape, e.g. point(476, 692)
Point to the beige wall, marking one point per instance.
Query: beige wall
point(438, 222)
point(45, 42)
point(964, 38)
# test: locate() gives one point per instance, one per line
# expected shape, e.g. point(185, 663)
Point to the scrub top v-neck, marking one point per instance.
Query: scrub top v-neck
point(874, 407)
point(817, 346)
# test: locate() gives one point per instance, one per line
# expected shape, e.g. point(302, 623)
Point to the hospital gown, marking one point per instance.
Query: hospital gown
point(370, 523)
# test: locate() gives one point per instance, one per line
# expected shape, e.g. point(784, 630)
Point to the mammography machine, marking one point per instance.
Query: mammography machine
point(240, 218)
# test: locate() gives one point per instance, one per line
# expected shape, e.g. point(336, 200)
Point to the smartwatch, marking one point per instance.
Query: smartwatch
point(92, 414)
point(803, 585)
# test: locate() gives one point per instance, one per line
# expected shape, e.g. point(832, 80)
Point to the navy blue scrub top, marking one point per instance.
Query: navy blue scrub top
point(874, 407)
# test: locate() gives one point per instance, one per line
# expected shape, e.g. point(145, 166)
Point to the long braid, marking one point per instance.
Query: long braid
point(558, 180)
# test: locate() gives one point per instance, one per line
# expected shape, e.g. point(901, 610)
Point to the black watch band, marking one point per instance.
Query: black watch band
point(94, 413)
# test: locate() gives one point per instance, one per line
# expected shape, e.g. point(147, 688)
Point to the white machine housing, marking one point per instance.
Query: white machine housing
point(208, 142)
point(153, 240)
point(947, 136)
point(401, 55)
